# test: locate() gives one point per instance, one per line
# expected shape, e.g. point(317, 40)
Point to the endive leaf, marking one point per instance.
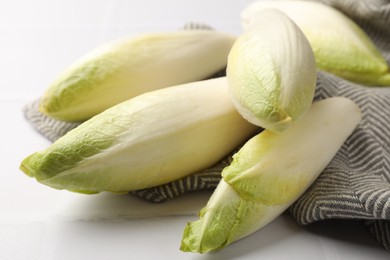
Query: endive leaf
point(272, 72)
point(125, 68)
point(152, 139)
point(340, 46)
point(269, 173)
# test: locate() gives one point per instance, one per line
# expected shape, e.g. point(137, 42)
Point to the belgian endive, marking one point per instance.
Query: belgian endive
point(340, 46)
point(127, 67)
point(269, 173)
point(149, 140)
point(272, 72)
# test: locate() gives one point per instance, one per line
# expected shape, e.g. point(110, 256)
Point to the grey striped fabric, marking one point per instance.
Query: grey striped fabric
point(376, 13)
point(356, 184)
point(50, 128)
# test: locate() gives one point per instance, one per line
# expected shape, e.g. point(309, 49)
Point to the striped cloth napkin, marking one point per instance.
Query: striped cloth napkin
point(356, 183)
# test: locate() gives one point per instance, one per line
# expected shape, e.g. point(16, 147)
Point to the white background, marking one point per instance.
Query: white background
point(38, 39)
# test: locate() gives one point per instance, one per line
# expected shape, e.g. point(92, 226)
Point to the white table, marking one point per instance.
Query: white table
point(38, 39)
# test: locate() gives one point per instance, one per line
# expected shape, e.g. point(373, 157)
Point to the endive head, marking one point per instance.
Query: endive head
point(272, 72)
point(340, 46)
point(127, 67)
point(269, 173)
point(152, 139)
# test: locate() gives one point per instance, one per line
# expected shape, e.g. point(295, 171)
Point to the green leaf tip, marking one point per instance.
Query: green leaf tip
point(26, 166)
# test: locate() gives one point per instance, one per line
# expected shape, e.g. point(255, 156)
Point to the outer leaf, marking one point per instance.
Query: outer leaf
point(272, 72)
point(147, 141)
point(340, 46)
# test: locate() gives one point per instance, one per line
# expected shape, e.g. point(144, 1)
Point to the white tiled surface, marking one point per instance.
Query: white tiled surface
point(40, 38)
